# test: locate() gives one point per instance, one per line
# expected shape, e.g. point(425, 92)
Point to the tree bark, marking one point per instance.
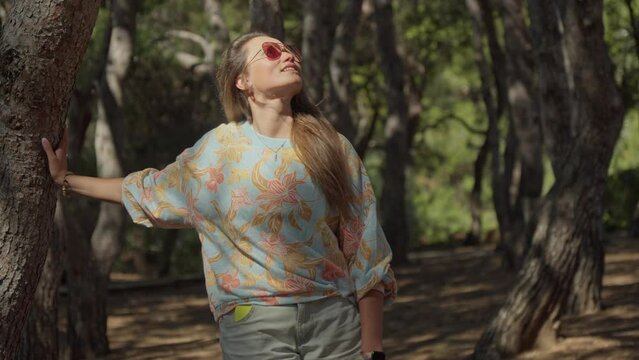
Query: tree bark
point(40, 334)
point(41, 45)
point(266, 17)
point(317, 39)
point(340, 71)
point(394, 173)
point(582, 114)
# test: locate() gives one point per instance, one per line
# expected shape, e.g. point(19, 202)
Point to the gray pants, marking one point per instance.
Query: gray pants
point(324, 329)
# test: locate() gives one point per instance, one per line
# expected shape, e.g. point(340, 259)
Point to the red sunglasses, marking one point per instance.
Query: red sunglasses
point(273, 51)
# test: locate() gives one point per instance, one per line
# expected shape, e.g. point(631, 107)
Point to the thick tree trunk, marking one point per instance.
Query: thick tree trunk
point(266, 17)
point(340, 71)
point(582, 113)
point(394, 189)
point(317, 39)
point(41, 45)
point(40, 334)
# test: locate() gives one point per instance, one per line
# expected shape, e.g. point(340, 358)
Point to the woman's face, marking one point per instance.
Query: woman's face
point(270, 78)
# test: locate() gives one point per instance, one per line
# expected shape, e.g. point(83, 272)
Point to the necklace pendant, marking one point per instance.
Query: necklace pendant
point(275, 156)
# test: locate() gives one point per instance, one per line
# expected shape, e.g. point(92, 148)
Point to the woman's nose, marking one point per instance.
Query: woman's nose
point(287, 56)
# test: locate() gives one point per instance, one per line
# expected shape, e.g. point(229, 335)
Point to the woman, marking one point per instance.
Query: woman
point(296, 264)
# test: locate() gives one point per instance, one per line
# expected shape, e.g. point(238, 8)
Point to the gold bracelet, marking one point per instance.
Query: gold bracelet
point(66, 188)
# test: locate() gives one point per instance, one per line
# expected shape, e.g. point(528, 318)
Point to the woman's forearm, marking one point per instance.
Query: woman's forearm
point(371, 314)
point(97, 188)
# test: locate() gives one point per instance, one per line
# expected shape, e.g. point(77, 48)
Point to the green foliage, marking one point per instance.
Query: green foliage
point(621, 198)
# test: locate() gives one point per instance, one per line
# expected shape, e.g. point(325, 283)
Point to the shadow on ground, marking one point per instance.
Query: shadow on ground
point(446, 299)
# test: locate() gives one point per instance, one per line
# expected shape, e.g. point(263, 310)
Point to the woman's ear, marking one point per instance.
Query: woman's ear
point(241, 83)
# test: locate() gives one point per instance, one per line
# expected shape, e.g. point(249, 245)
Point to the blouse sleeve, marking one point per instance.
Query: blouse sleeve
point(362, 239)
point(166, 198)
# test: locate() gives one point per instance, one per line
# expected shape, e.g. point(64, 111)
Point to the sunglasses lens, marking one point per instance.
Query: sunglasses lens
point(272, 52)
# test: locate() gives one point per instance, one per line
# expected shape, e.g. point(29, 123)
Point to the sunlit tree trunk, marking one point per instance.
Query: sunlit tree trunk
point(582, 113)
point(266, 16)
point(396, 146)
point(219, 32)
point(41, 45)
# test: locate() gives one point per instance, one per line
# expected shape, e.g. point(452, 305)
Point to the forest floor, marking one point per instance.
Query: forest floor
point(446, 299)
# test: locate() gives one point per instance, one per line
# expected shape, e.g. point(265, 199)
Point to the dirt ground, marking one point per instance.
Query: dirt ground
point(446, 299)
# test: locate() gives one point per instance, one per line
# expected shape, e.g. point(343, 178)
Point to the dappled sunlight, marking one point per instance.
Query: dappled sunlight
point(446, 299)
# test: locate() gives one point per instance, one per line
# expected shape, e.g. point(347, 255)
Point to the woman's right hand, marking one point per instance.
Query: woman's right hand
point(57, 159)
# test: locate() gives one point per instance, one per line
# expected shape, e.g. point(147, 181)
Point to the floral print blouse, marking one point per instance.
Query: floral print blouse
point(267, 234)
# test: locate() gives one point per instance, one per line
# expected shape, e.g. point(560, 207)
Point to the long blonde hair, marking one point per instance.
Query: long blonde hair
point(315, 140)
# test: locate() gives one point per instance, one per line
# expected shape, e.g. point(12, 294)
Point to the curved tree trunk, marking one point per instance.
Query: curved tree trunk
point(396, 147)
point(266, 16)
point(41, 45)
point(582, 114)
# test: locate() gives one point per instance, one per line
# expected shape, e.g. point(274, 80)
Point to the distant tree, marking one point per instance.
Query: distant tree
point(582, 113)
point(266, 16)
point(341, 98)
point(88, 280)
point(41, 45)
point(396, 137)
point(317, 41)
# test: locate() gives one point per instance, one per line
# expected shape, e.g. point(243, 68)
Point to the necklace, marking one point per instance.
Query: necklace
point(270, 148)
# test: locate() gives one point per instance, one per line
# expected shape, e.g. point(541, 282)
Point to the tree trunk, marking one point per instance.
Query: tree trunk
point(474, 236)
point(394, 189)
point(41, 45)
point(218, 29)
point(266, 17)
point(634, 224)
point(319, 29)
point(40, 334)
point(525, 128)
point(582, 114)
point(168, 245)
point(340, 71)
point(500, 193)
point(91, 284)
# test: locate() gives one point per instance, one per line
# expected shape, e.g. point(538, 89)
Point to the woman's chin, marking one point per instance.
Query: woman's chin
point(287, 90)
